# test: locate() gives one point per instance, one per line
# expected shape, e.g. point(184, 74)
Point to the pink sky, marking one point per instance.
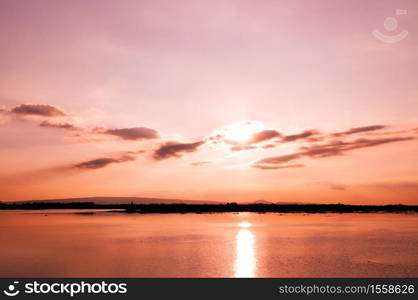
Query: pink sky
point(154, 98)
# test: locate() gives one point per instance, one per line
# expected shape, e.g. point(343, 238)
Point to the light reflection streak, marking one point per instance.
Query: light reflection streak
point(245, 262)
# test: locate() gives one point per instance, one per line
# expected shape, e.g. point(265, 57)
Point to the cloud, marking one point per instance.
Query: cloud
point(260, 139)
point(397, 132)
point(294, 137)
point(135, 133)
point(395, 185)
point(268, 146)
point(215, 139)
point(64, 125)
point(278, 162)
point(279, 159)
point(43, 110)
point(69, 122)
point(337, 186)
point(333, 148)
point(200, 163)
point(333, 185)
point(264, 136)
point(102, 162)
point(173, 149)
point(242, 147)
point(355, 130)
point(339, 147)
point(271, 138)
point(266, 167)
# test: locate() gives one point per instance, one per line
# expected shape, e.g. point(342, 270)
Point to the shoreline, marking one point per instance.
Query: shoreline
point(216, 208)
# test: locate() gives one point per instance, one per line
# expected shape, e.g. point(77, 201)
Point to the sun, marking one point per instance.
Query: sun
point(241, 132)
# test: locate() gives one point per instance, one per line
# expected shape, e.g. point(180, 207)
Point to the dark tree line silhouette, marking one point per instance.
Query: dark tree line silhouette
point(216, 208)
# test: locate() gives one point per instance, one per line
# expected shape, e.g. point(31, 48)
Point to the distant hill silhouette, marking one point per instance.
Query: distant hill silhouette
point(118, 200)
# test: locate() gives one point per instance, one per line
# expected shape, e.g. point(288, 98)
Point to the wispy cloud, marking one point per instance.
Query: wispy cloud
point(264, 135)
point(395, 185)
point(134, 133)
point(242, 147)
point(60, 125)
point(279, 159)
point(102, 162)
point(53, 117)
point(355, 130)
point(333, 148)
point(394, 132)
point(240, 136)
point(339, 147)
point(333, 185)
point(175, 149)
point(303, 135)
point(271, 167)
point(200, 163)
point(43, 110)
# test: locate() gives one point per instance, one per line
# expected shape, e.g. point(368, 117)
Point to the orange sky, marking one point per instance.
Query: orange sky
point(217, 100)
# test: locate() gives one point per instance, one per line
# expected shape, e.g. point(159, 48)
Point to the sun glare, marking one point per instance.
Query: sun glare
point(244, 224)
point(241, 132)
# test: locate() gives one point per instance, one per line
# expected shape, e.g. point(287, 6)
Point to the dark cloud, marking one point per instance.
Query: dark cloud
point(135, 133)
point(333, 148)
point(102, 162)
point(355, 130)
point(43, 110)
point(264, 136)
point(173, 149)
point(64, 125)
point(294, 137)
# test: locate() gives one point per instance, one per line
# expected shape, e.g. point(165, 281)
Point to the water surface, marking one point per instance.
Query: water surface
point(57, 243)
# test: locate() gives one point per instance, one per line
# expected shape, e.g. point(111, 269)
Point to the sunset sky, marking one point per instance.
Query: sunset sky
point(229, 100)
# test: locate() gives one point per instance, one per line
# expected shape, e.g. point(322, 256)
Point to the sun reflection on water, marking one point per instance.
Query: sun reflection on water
point(245, 263)
point(244, 224)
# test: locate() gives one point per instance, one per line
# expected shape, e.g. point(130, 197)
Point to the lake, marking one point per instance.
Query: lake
point(60, 243)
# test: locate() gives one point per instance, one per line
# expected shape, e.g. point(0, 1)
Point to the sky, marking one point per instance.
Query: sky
point(228, 100)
